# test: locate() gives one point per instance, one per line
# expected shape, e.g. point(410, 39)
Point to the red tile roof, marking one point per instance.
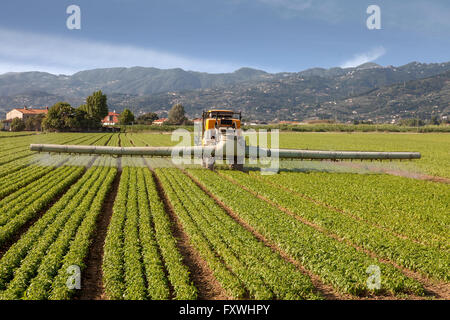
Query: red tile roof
point(160, 120)
point(32, 111)
point(112, 117)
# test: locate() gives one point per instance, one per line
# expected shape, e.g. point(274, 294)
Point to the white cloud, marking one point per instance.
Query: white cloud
point(361, 58)
point(25, 51)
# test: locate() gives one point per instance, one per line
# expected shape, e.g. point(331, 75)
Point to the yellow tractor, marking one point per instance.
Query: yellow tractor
point(222, 127)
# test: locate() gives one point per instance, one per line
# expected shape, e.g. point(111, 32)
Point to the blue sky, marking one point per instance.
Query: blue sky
point(220, 35)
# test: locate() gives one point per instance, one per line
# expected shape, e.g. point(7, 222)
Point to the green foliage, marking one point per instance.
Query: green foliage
point(17, 124)
point(60, 117)
point(126, 117)
point(63, 117)
point(128, 263)
point(96, 105)
point(34, 123)
point(361, 224)
point(334, 261)
point(147, 118)
point(177, 115)
point(16, 212)
point(413, 122)
point(36, 267)
point(255, 266)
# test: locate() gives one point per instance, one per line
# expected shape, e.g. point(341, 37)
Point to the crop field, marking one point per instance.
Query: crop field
point(135, 228)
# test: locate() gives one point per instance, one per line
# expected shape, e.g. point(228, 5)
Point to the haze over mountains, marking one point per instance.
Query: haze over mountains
point(367, 92)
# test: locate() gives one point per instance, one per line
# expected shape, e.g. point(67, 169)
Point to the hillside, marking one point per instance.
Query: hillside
point(421, 98)
point(260, 95)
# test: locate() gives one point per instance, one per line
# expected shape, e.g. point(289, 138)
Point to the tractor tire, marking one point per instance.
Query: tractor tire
point(236, 166)
point(208, 164)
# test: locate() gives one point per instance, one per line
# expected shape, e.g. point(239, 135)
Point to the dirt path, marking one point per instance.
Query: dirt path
point(201, 275)
point(435, 288)
point(92, 276)
point(325, 290)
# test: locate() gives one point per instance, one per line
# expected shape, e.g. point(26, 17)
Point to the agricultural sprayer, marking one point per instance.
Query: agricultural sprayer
point(222, 138)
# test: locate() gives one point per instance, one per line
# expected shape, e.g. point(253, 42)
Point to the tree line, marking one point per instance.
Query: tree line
point(63, 117)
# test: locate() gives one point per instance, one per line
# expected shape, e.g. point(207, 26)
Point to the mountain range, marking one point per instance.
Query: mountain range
point(369, 91)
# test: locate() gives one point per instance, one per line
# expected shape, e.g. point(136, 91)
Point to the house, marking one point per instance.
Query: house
point(25, 113)
point(111, 119)
point(160, 122)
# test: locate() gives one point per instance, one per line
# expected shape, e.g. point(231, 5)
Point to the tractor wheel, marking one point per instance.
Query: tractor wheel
point(208, 164)
point(236, 166)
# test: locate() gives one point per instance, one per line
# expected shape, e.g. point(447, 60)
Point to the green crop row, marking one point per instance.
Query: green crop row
point(16, 165)
point(49, 223)
point(416, 209)
point(139, 246)
point(13, 218)
point(336, 263)
point(14, 156)
point(262, 272)
point(225, 277)
point(114, 141)
point(79, 247)
point(430, 261)
point(30, 266)
point(12, 258)
point(16, 181)
point(149, 206)
point(17, 170)
point(18, 150)
point(113, 258)
point(178, 273)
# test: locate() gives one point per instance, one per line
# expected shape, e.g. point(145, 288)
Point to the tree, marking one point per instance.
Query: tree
point(96, 105)
point(412, 122)
point(87, 121)
point(61, 117)
point(34, 123)
point(177, 115)
point(147, 118)
point(435, 120)
point(17, 124)
point(126, 117)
